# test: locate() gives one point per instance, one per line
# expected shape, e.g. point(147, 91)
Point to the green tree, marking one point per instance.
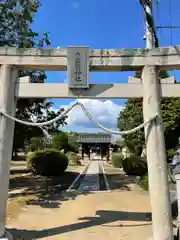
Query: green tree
point(65, 141)
point(132, 116)
point(16, 18)
point(60, 141)
point(72, 142)
point(36, 143)
point(120, 143)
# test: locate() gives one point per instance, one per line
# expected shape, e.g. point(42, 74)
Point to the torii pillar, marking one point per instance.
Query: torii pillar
point(8, 75)
point(156, 157)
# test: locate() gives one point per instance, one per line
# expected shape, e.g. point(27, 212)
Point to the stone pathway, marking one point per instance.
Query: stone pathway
point(91, 179)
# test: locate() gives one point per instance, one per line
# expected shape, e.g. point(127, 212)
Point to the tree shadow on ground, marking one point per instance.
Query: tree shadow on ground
point(120, 181)
point(117, 179)
point(102, 218)
point(18, 171)
point(50, 192)
point(43, 191)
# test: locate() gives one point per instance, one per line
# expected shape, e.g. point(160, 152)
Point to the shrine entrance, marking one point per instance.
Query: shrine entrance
point(78, 61)
point(97, 143)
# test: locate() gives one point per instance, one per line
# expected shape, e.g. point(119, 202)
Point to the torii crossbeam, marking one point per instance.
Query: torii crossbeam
point(125, 59)
point(99, 60)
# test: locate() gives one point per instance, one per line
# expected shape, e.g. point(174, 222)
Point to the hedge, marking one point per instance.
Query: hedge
point(73, 158)
point(47, 162)
point(135, 165)
point(142, 181)
point(117, 159)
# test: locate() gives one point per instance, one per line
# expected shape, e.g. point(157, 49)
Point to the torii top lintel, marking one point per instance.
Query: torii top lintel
point(125, 59)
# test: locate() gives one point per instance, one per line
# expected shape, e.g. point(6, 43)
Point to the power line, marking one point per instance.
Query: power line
point(171, 27)
point(159, 20)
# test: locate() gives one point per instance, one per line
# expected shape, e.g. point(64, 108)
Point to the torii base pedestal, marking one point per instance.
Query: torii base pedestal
point(7, 236)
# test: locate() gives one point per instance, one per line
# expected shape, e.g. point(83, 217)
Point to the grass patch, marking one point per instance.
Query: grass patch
point(142, 181)
point(16, 205)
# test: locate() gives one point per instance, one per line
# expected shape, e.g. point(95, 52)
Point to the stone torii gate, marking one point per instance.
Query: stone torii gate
point(79, 61)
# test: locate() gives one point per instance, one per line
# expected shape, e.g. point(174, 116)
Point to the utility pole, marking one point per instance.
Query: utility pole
point(149, 34)
point(155, 144)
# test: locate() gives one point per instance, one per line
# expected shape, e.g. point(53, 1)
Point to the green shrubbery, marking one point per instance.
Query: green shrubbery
point(47, 162)
point(62, 141)
point(117, 159)
point(170, 153)
point(142, 181)
point(73, 158)
point(134, 165)
point(36, 143)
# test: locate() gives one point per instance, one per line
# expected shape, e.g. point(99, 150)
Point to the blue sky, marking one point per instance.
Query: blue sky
point(101, 24)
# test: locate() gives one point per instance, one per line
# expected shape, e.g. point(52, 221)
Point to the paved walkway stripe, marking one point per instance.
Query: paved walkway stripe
point(105, 177)
point(91, 179)
point(78, 177)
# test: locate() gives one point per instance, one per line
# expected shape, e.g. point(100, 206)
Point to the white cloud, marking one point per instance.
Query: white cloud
point(105, 113)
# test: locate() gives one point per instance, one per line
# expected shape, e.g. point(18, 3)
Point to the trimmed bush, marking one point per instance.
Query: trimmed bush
point(117, 159)
point(47, 162)
point(73, 158)
point(142, 181)
point(135, 165)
